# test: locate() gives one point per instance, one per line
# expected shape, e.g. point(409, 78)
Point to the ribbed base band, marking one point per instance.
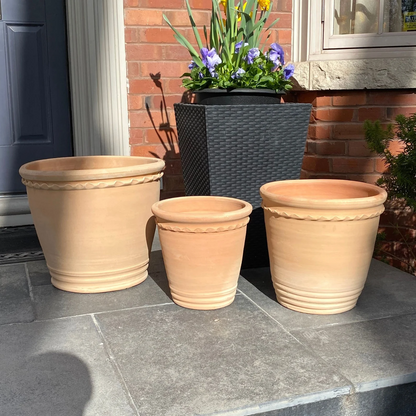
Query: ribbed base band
point(99, 282)
point(323, 303)
point(204, 301)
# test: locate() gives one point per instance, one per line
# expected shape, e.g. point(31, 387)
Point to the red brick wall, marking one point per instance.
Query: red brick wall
point(152, 50)
point(336, 148)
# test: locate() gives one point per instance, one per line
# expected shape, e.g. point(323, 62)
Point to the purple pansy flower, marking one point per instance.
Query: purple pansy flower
point(210, 59)
point(204, 54)
point(239, 45)
point(192, 65)
point(288, 71)
point(238, 73)
point(276, 55)
point(253, 53)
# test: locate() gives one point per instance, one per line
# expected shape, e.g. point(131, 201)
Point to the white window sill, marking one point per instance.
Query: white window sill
point(358, 74)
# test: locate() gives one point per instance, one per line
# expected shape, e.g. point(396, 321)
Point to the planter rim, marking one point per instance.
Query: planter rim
point(281, 193)
point(78, 168)
point(240, 209)
point(240, 91)
point(271, 106)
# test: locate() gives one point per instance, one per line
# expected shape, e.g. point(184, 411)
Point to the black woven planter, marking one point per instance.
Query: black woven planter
point(232, 150)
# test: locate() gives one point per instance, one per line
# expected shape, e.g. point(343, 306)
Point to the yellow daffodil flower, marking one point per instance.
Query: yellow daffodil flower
point(264, 4)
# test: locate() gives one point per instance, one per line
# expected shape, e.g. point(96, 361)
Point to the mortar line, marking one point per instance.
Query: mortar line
point(29, 284)
point(115, 365)
point(360, 321)
point(271, 317)
point(102, 312)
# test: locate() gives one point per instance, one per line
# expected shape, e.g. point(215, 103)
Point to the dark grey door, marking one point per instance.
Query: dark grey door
point(34, 94)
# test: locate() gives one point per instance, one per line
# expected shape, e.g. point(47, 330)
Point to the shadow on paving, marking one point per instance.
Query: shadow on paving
point(261, 279)
point(51, 383)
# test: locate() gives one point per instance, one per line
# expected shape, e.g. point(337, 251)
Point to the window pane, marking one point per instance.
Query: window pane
point(399, 16)
point(352, 16)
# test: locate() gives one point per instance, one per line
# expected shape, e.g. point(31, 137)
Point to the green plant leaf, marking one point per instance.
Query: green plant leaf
point(217, 25)
point(265, 41)
point(206, 36)
point(272, 24)
point(194, 28)
point(184, 42)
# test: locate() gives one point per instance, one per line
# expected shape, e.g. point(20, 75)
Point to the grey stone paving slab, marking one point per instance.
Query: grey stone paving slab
point(180, 362)
point(388, 292)
point(58, 368)
point(38, 273)
point(373, 354)
point(15, 302)
point(54, 303)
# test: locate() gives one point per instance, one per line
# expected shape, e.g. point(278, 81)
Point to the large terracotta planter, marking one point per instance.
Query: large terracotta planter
point(202, 239)
point(93, 218)
point(321, 236)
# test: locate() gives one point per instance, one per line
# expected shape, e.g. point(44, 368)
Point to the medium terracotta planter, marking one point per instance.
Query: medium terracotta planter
point(202, 239)
point(93, 218)
point(320, 236)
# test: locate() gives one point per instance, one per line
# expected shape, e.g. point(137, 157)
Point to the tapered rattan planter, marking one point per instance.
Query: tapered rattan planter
point(93, 218)
point(232, 150)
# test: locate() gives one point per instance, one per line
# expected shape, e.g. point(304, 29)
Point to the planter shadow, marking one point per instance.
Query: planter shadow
point(261, 279)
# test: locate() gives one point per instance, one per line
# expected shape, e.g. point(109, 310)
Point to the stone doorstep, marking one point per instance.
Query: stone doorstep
point(253, 357)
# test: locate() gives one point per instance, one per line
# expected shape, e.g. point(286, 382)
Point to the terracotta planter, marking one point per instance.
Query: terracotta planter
point(321, 236)
point(202, 239)
point(93, 218)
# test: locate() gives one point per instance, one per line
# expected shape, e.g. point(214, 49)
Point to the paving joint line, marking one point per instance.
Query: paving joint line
point(102, 312)
point(114, 364)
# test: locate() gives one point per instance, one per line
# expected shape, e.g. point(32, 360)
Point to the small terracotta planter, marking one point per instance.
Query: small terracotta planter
point(320, 236)
point(202, 239)
point(93, 218)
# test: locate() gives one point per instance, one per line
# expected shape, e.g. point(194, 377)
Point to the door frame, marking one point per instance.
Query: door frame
point(98, 89)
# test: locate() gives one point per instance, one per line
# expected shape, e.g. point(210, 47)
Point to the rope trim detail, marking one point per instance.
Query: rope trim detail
point(324, 218)
point(202, 229)
point(91, 185)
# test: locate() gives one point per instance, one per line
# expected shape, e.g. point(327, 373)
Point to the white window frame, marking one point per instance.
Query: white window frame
point(308, 38)
point(372, 40)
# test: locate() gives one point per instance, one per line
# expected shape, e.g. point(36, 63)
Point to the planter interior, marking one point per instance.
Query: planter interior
point(323, 194)
point(89, 167)
point(93, 218)
point(321, 236)
point(202, 241)
point(237, 96)
point(196, 210)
